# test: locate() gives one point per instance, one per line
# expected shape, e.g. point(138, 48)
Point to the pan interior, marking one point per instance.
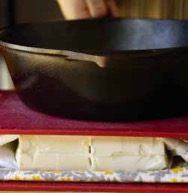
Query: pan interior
point(100, 35)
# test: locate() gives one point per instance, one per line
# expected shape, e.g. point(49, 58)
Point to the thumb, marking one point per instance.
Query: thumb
point(97, 8)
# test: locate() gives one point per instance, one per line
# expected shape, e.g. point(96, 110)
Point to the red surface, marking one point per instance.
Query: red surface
point(94, 187)
point(16, 118)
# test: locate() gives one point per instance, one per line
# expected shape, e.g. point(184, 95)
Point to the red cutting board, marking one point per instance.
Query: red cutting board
point(16, 118)
point(93, 187)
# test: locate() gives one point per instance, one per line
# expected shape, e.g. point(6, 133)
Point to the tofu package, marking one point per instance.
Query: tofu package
point(56, 153)
point(80, 153)
point(7, 151)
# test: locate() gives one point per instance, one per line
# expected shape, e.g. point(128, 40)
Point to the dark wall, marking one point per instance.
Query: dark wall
point(30, 11)
point(3, 13)
point(37, 10)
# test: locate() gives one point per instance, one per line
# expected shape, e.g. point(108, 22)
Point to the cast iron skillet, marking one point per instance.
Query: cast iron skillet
point(104, 69)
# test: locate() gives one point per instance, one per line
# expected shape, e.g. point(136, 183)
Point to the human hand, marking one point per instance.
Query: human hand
point(82, 9)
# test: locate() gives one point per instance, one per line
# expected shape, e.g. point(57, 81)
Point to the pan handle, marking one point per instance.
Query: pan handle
point(99, 60)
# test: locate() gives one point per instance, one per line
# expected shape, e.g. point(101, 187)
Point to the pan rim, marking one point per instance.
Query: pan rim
point(45, 51)
point(62, 52)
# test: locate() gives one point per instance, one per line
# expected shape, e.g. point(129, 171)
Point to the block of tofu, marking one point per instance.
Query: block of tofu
point(53, 153)
point(126, 153)
point(90, 153)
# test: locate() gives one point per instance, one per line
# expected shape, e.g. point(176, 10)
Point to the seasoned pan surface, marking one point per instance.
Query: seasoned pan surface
point(104, 69)
point(100, 35)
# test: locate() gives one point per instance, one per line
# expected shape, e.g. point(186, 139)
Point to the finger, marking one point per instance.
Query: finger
point(97, 8)
point(74, 9)
point(113, 8)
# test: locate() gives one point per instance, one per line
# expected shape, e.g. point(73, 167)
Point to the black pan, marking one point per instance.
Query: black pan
point(104, 69)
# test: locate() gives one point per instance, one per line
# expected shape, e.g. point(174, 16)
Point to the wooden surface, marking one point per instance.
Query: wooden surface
point(166, 9)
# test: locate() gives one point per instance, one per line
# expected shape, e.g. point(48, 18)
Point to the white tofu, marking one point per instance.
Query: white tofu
point(53, 153)
point(124, 153)
point(90, 153)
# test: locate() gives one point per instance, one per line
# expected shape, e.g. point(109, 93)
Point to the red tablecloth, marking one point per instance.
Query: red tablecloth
point(16, 118)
